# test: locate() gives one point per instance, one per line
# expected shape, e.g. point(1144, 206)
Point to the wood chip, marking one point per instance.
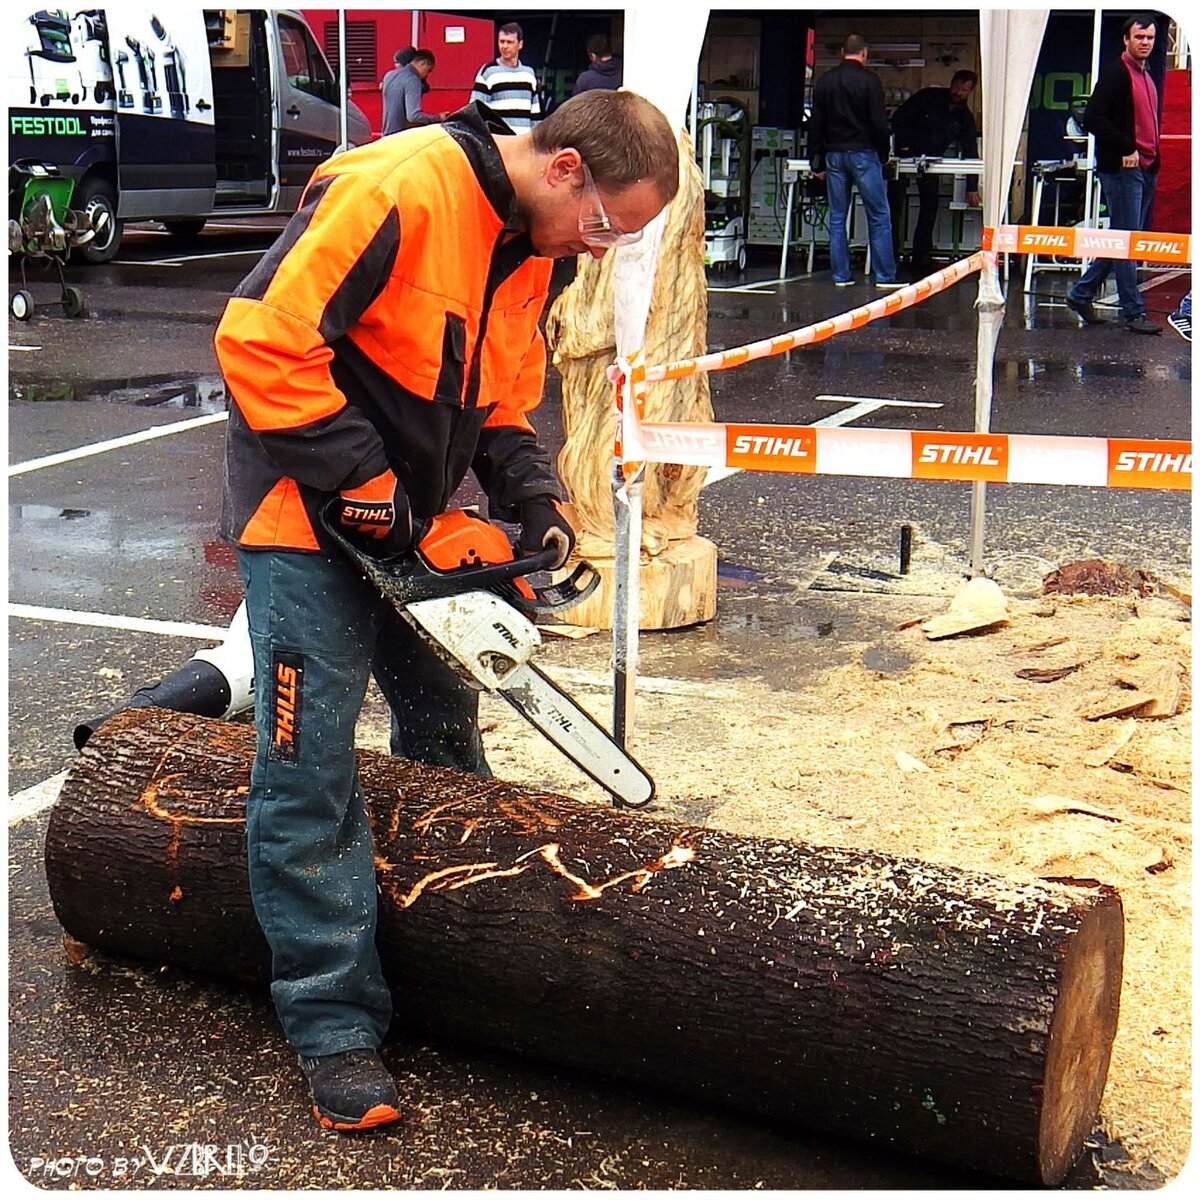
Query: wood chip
point(1049, 805)
point(1047, 674)
point(1164, 685)
point(906, 762)
point(1049, 644)
point(76, 951)
point(1116, 702)
point(567, 631)
point(1114, 745)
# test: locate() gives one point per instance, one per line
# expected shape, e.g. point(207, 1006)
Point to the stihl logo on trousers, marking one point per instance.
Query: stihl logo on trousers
point(287, 677)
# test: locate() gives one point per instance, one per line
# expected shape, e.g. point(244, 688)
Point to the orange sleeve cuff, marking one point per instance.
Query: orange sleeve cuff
point(381, 488)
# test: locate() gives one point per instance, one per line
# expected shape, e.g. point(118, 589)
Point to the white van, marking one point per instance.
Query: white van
point(176, 117)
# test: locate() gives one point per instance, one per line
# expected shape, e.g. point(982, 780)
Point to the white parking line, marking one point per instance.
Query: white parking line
point(34, 800)
point(186, 258)
point(130, 439)
point(70, 616)
point(27, 349)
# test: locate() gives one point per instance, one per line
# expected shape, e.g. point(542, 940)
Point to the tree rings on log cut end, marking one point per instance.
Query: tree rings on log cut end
point(1081, 1036)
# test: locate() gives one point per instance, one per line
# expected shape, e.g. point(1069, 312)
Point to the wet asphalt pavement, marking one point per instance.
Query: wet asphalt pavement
point(129, 1075)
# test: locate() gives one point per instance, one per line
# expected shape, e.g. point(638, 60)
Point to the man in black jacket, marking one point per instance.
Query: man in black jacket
point(848, 141)
point(603, 69)
point(1123, 116)
point(932, 122)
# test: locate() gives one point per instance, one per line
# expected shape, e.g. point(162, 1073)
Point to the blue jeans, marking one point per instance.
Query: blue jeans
point(861, 168)
point(318, 630)
point(1128, 194)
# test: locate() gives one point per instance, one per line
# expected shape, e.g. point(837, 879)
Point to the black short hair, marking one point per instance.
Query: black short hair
point(424, 56)
point(599, 45)
point(1145, 20)
point(512, 27)
point(855, 43)
point(403, 57)
point(964, 76)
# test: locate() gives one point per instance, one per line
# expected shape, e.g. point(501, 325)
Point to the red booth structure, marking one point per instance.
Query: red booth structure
point(460, 44)
point(1173, 196)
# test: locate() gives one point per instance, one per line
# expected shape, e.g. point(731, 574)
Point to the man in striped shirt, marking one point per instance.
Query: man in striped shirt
point(507, 86)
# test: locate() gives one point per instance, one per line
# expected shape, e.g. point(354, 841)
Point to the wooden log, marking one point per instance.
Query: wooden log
point(961, 1017)
point(675, 588)
point(582, 341)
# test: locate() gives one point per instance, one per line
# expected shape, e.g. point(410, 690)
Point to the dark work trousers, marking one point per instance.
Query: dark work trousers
point(318, 630)
point(928, 190)
point(1128, 195)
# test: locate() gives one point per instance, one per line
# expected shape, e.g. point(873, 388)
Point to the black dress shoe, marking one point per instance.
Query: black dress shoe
point(1084, 310)
point(1141, 325)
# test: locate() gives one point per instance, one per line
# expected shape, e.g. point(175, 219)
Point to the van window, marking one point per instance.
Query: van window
point(303, 62)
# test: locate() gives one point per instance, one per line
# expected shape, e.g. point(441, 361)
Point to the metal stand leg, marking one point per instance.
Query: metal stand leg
point(787, 232)
point(1038, 182)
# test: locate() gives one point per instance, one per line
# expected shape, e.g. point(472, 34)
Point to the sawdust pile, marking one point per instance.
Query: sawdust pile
point(1028, 749)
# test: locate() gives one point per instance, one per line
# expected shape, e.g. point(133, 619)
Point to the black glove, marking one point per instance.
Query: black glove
point(543, 525)
point(375, 515)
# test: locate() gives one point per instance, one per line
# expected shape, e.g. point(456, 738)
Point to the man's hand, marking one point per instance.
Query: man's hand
point(973, 199)
point(543, 525)
point(1130, 160)
point(375, 515)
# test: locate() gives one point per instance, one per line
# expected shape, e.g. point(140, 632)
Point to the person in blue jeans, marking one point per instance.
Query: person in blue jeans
point(1122, 114)
point(848, 143)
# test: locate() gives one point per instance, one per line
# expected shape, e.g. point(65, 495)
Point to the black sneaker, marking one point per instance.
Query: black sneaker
point(1084, 310)
point(1141, 325)
point(352, 1090)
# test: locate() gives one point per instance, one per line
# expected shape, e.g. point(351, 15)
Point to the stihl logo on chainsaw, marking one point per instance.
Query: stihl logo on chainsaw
point(288, 677)
point(507, 634)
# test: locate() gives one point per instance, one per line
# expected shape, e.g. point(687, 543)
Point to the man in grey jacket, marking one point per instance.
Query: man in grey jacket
point(402, 90)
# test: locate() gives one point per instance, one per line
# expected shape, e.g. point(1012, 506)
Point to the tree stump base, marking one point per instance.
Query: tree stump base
point(675, 588)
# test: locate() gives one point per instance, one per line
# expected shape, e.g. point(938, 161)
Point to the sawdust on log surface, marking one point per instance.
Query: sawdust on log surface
point(947, 753)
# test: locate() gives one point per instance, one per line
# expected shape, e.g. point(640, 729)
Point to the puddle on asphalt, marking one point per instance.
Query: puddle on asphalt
point(46, 512)
point(1080, 372)
point(778, 628)
point(200, 394)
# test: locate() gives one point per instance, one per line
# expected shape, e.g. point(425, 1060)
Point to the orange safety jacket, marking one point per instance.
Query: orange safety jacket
point(394, 324)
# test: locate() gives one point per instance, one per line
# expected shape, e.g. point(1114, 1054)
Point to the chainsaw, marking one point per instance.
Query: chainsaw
point(463, 590)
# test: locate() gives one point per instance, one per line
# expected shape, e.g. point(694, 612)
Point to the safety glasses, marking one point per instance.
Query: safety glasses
point(595, 228)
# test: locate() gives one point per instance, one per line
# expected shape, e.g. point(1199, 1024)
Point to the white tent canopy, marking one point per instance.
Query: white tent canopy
point(1010, 41)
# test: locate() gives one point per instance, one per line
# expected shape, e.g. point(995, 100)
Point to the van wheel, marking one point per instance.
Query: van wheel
point(21, 305)
point(186, 230)
point(98, 199)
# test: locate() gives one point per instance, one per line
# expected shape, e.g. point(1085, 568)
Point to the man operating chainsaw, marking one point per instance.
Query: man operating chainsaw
point(385, 345)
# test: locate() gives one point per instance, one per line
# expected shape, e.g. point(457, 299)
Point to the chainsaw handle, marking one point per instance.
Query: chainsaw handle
point(408, 577)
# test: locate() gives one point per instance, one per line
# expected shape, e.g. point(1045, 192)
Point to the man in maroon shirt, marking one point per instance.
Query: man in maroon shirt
point(1123, 115)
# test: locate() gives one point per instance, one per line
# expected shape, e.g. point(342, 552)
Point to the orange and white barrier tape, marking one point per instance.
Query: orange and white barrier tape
point(905, 454)
point(856, 318)
point(1078, 241)
point(898, 453)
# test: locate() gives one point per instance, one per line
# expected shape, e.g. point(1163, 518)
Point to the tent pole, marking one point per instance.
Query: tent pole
point(627, 510)
point(1090, 214)
point(343, 84)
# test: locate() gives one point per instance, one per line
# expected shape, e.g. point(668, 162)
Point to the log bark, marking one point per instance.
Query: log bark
point(957, 1016)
